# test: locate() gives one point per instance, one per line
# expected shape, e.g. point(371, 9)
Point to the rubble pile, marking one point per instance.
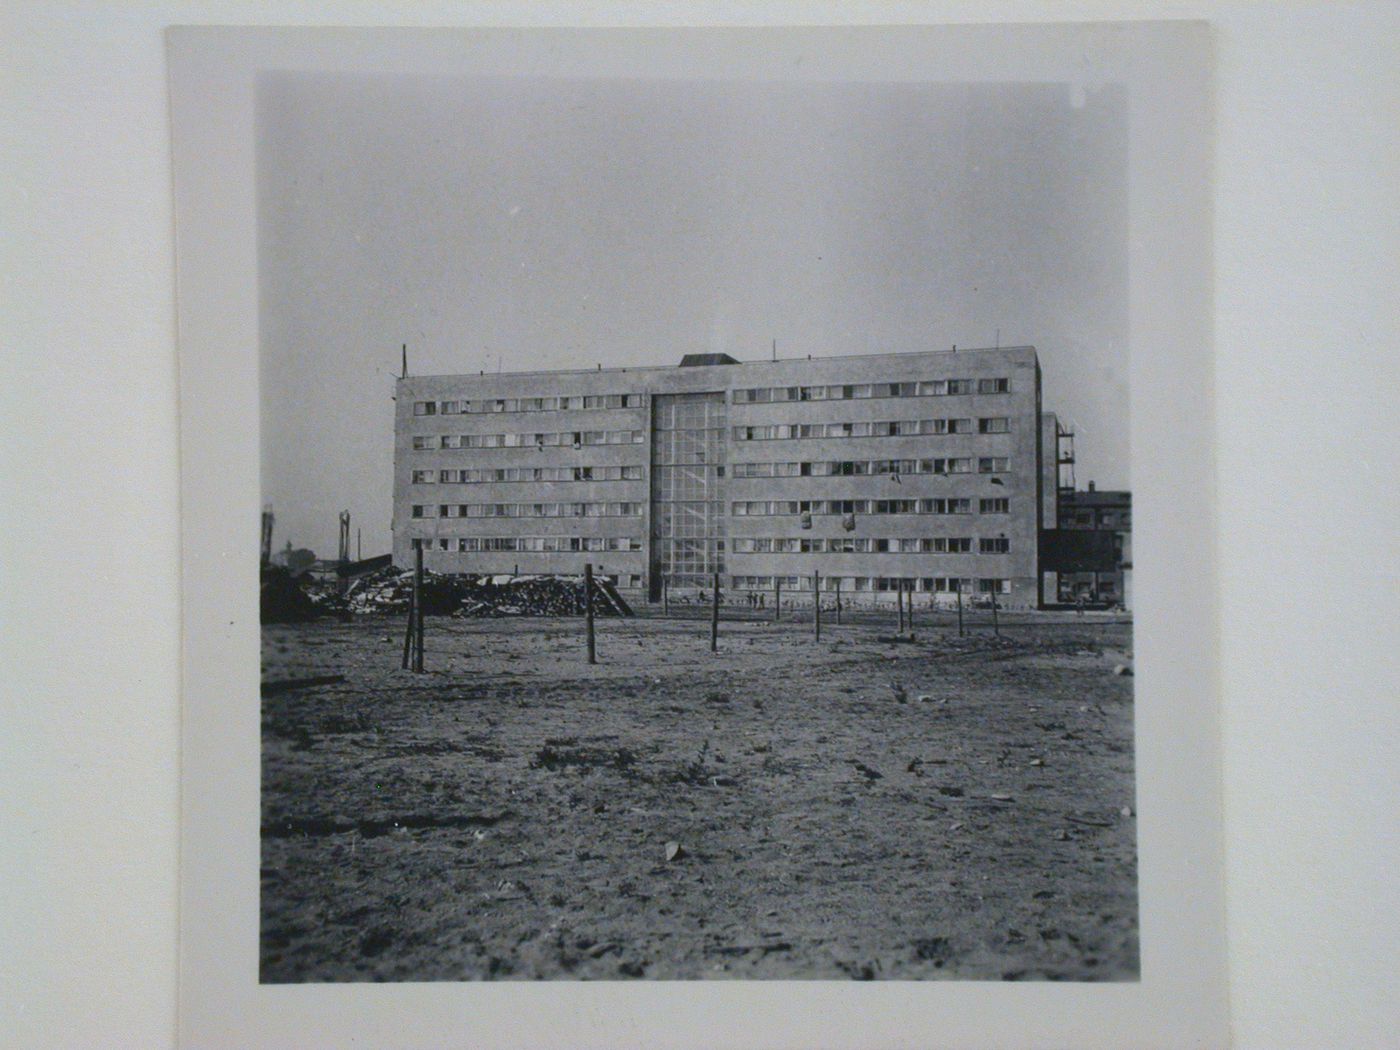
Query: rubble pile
point(390, 590)
point(538, 596)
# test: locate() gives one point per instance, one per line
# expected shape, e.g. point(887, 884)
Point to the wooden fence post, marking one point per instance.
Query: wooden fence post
point(777, 598)
point(960, 620)
point(817, 603)
point(996, 627)
point(418, 610)
point(408, 644)
point(714, 618)
point(588, 610)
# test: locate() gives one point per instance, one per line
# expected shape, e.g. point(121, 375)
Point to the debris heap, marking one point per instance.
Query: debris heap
point(391, 590)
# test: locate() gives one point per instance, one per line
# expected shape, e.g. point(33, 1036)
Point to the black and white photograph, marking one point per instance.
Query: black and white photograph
point(696, 511)
point(748, 581)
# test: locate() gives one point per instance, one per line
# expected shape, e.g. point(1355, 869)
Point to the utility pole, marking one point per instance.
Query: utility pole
point(267, 519)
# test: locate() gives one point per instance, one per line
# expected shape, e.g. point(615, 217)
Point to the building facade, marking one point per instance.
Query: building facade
point(925, 471)
point(1108, 512)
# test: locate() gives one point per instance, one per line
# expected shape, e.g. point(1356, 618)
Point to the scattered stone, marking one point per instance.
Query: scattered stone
point(1091, 823)
point(1001, 798)
point(674, 851)
point(1123, 669)
point(957, 825)
point(924, 698)
point(1037, 762)
point(870, 774)
point(1126, 811)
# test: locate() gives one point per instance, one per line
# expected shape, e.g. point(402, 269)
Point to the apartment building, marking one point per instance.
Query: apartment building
point(926, 471)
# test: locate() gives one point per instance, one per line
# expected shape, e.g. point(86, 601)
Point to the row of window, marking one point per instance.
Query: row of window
point(527, 510)
point(847, 468)
point(879, 428)
point(770, 507)
point(526, 404)
point(868, 584)
point(1086, 519)
point(763, 395)
point(848, 545)
point(576, 438)
point(532, 544)
point(504, 474)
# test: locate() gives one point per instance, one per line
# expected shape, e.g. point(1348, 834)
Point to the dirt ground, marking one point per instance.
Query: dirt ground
point(851, 808)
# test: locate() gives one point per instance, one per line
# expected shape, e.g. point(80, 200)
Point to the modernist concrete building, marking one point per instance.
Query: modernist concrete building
point(924, 470)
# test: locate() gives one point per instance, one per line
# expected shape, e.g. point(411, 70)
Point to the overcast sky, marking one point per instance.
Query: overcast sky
point(544, 223)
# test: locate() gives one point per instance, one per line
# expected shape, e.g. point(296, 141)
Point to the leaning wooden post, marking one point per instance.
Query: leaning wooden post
point(817, 603)
point(418, 610)
point(838, 601)
point(714, 618)
point(588, 610)
point(408, 633)
point(909, 601)
point(960, 623)
point(996, 628)
point(899, 602)
point(777, 598)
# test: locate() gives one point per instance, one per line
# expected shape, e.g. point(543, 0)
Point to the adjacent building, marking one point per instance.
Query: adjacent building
point(1110, 515)
point(926, 471)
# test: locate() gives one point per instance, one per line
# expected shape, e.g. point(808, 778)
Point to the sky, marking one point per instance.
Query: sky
point(530, 223)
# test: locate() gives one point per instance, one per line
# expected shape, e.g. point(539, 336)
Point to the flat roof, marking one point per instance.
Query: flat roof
point(732, 363)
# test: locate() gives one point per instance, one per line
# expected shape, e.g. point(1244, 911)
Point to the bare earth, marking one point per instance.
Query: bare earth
point(851, 808)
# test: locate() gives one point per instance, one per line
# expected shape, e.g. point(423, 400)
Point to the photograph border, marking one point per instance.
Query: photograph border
point(1181, 996)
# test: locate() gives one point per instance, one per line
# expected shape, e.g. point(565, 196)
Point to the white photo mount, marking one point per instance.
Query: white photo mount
point(1180, 998)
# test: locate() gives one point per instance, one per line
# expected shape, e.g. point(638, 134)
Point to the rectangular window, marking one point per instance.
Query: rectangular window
point(419, 511)
point(992, 465)
point(994, 545)
point(995, 506)
point(960, 386)
point(994, 386)
point(425, 408)
point(422, 443)
point(993, 586)
point(993, 425)
point(424, 477)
